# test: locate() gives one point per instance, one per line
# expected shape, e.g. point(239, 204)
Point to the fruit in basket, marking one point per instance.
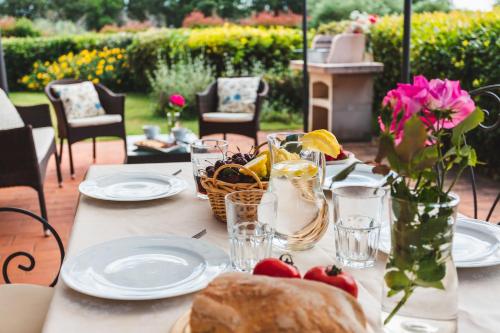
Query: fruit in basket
point(282, 267)
point(333, 276)
point(323, 141)
point(257, 165)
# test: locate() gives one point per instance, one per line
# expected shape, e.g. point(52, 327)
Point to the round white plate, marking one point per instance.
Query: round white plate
point(350, 158)
point(142, 268)
point(362, 175)
point(475, 243)
point(132, 186)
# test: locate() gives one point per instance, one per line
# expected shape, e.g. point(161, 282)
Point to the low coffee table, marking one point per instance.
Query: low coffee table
point(136, 156)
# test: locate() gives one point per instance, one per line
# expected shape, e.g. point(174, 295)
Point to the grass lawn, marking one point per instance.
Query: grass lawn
point(138, 112)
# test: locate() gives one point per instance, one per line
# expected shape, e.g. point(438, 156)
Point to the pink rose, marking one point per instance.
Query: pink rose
point(177, 100)
point(372, 18)
point(448, 96)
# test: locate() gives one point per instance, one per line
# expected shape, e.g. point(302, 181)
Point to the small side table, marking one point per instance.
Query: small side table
point(136, 156)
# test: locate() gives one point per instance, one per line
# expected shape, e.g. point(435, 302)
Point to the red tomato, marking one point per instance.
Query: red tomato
point(333, 276)
point(282, 267)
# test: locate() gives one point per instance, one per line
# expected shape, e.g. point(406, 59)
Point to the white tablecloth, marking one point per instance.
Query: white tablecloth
point(99, 221)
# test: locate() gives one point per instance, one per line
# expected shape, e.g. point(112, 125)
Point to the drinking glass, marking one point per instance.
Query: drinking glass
point(205, 152)
point(357, 215)
point(251, 216)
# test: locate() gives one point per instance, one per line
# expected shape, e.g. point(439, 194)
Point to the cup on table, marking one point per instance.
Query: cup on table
point(151, 131)
point(357, 218)
point(179, 133)
point(251, 215)
point(205, 152)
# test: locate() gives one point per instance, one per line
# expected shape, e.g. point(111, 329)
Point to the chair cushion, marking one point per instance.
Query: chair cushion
point(237, 94)
point(23, 307)
point(80, 100)
point(94, 121)
point(227, 117)
point(9, 117)
point(44, 138)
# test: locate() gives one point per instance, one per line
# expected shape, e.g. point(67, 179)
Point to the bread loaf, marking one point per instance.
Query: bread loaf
point(244, 303)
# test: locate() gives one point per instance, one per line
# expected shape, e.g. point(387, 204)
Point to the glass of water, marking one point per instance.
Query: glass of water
point(357, 215)
point(251, 216)
point(205, 152)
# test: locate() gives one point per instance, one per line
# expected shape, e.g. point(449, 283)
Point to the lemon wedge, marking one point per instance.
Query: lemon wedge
point(266, 153)
point(257, 165)
point(323, 141)
point(295, 168)
point(281, 154)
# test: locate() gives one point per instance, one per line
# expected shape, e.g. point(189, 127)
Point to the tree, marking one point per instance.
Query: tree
point(277, 5)
point(96, 13)
point(24, 8)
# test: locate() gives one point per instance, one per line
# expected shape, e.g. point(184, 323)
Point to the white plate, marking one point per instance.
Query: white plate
point(475, 243)
point(350, 158)
point(362, 175)
point(142, 268)
point(132, 186)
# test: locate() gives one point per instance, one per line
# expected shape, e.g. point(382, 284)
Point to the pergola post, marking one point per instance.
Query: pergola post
point(305, 77)
point(3, 73)
point(405, 70)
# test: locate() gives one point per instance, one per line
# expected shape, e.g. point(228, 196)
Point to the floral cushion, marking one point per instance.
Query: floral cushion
point(237, 94)
point(80, 100)
point(9, 117)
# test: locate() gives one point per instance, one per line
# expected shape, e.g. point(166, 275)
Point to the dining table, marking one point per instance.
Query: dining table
point(98, 221)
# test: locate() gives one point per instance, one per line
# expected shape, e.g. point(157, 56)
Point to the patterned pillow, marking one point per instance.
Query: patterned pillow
point(80, 100)
point(237, 94)
point(9, 117)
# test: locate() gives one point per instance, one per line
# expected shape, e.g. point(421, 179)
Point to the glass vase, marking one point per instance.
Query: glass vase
point(172, 119)
point(420, 279)
point(297, 177)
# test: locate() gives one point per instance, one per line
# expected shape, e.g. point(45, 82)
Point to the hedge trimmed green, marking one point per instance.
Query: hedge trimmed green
point(21, 53)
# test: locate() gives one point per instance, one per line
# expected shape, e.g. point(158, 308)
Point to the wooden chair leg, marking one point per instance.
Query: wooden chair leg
point(93, 150)
point(58, 168)
point(43, 208)
point(61, 142)
point(224, 135)
point(71, 167)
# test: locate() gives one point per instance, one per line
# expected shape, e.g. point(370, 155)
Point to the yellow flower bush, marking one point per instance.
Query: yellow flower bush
point(108, 66)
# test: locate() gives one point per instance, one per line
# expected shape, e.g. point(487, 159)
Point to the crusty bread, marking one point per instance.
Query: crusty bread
point(244, 303)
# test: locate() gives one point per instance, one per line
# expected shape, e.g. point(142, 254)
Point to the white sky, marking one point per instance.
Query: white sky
point(473, 4)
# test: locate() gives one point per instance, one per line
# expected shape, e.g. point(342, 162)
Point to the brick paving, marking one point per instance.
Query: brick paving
point(19, 234)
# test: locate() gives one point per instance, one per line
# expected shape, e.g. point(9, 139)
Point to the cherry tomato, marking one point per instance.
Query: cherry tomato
point(333, 276)
point(282, 267)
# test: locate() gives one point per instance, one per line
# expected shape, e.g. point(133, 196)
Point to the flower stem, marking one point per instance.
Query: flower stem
point(402, 302)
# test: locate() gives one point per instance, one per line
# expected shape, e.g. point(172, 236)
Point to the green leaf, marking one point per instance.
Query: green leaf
point(396, 280)
point(472, 158)
point(425, 158)
point(469, 123)
point(414, 138)
point(430, 270)
point(425, 284)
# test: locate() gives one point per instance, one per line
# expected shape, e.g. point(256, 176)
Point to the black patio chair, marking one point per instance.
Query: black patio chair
point(23, 307)
point(491, 91)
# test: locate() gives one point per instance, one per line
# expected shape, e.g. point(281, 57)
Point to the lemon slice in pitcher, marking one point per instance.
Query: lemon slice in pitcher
point(323, 141)
point(295, 168)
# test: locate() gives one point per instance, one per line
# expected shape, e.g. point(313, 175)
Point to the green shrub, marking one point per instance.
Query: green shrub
point(21, 53)
point(20, 27)
point(460, 46)
point(185, 77)
point(242, 46)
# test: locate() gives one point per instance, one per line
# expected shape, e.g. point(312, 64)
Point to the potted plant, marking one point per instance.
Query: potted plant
point(423, 126)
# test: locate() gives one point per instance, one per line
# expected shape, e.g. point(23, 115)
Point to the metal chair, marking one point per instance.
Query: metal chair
point(23, 307)
point(492, 92)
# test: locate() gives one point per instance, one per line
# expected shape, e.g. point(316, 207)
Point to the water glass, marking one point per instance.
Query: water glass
point(251, 216)
point(357, 218)
point(205, 152)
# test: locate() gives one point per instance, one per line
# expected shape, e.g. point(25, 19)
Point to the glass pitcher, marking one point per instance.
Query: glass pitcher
point(297, 177)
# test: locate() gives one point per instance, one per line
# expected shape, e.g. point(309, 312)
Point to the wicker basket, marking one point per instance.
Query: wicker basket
point(217, 189)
